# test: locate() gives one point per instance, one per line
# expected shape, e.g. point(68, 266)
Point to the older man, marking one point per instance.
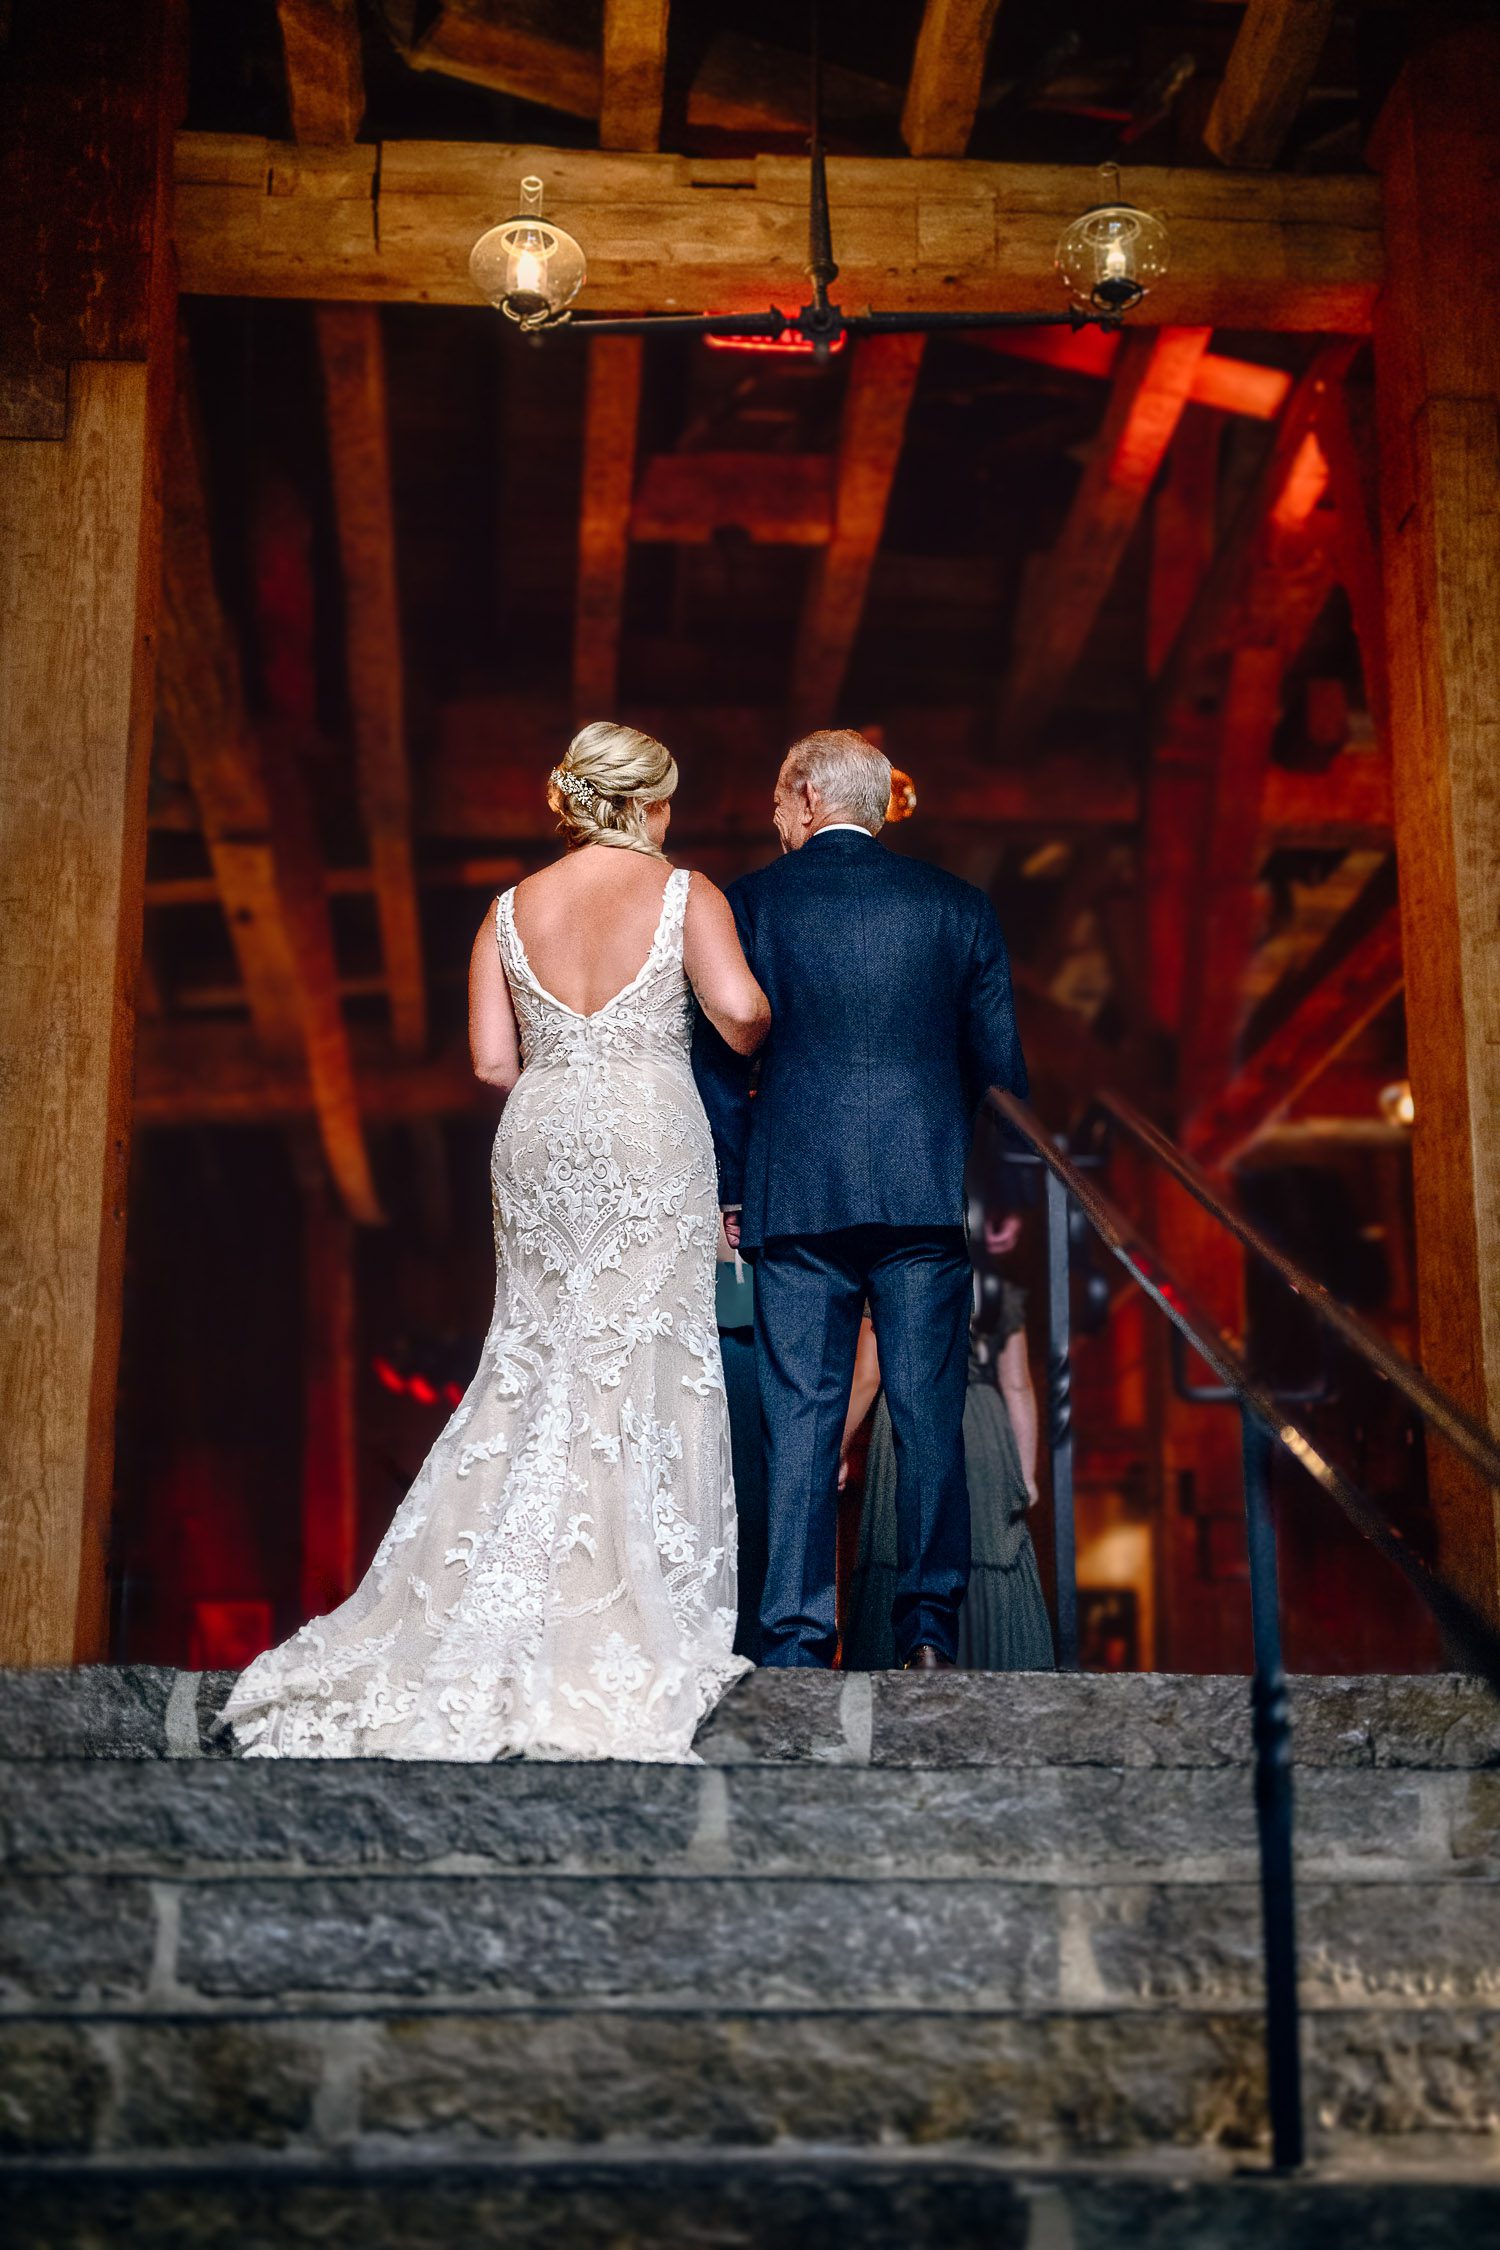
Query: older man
point(891, 1015)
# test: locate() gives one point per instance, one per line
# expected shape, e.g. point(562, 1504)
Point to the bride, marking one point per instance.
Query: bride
point(560, 1580)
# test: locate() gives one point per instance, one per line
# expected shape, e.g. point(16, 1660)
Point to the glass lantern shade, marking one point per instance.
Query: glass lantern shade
point(528, 266)
point(1110, 257)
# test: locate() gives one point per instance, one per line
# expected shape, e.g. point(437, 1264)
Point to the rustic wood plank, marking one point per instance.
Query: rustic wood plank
point(1349, 995)
point(325, 72)
point(947, 76)
point(1228, 849)
point(1437, 384)
point(353, 361)
point(1152, 382)
point(89, 100)
point(872, 428)
point(330, 1474)
point(611, 416)
point(776, 499)
point(669, 233)
point(528, 54)
point(257, 824)
point(1348, 448)
point(1184, 527)
point(217, 1074)
point(634, 73)
point(1270, 69)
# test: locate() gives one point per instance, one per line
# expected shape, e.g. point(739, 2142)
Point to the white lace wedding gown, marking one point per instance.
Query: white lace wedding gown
point(560, 1580)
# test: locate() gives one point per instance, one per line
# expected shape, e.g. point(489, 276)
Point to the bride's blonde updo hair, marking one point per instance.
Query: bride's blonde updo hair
point(610, 774)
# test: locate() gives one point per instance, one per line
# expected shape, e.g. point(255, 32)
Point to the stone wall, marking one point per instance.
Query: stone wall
point(1013, 1918)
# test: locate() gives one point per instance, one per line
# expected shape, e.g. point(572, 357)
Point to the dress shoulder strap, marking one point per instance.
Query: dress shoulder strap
point(674, 911)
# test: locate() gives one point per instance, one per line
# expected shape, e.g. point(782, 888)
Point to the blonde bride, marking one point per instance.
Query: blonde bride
point(560, 1580)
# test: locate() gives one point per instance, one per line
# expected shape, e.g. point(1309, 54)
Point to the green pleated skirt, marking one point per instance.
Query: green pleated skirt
point(1003, 1625)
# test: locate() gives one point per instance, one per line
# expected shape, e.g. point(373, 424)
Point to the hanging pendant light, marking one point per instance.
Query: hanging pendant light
point(528, 266)
point(1111, 254)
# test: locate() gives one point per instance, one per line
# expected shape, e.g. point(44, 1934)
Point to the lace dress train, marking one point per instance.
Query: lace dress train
point(560, 1580)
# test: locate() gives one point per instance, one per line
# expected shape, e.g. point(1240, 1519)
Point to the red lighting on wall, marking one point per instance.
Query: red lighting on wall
point(417, 1386)
point(789, 343)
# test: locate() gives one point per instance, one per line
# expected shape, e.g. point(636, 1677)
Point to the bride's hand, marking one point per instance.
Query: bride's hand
point(732, 1228)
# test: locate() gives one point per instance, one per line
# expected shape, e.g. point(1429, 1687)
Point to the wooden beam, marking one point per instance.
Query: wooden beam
point(1348, 803)
point(1228, 861)
point(1346, 436)
point(1234, 386)
point(1437, 390)
point(91, 95)
point(947, 76)
point(216, 1074)
point(257, 823)
point(1270, 68)
point(1184, 528)
point(634, 73)
point(1352, 990)
point(1251, 565)
point(1064, 597)
point(325, 73)
point(776, 499)
point(258, 218)
point(330, 1470)
point(882, 381)
point(353, 361)
point(741, 85)
point(611, 417)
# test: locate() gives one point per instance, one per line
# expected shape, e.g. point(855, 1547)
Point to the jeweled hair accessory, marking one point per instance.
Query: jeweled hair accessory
point(574, 785)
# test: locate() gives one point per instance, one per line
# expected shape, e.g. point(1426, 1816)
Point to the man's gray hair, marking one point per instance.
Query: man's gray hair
point(850, 775)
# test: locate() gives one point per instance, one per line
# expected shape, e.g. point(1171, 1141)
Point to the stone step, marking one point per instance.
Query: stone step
point(449, 2086)
point(1439, 1721)
point(1011, 1915)
point(208, 1817)
point(709, 2203)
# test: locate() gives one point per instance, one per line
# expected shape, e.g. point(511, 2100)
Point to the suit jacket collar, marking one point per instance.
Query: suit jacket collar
point(839, 840)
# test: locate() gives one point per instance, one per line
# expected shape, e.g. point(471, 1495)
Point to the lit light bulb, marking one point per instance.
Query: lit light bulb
point(529, 267)
point(1116, 265)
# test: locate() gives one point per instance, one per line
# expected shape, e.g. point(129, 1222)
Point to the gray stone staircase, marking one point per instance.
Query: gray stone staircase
point(955, 1958)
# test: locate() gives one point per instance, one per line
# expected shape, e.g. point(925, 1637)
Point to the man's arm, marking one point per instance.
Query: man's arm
point(724, 1080)
point(992, 1045)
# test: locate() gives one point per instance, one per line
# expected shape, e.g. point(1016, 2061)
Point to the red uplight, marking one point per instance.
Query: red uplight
point(452, 1394)
point(388, 1377)
point(418, 1387)
point(790, 342)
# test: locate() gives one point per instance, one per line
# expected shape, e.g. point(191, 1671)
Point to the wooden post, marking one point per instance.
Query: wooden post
point(86, 118)
point(1437, 367)
point(330, 1484)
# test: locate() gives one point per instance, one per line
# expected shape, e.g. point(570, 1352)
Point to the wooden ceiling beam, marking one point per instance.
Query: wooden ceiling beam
point(1152, 382)
point(776, 499)
point(634, 70)
point(665, 233)
point(325, 73)
point(353, 362)
point(257, 824)
point(214, 1073)
point(1235, 386)
point(947, 76)
point(741, 85)
point(1351, 992)
point(872, 428)
point(610, 422)
point(1270, 69)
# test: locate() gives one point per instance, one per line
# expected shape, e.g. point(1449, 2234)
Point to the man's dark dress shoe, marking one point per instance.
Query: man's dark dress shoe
point(927, 1659)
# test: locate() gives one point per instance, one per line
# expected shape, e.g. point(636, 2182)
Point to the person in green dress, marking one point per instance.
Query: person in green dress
point(1003, 1625)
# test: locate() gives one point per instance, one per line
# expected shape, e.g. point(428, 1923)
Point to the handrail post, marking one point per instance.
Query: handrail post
point(1060, 1422)
point(1273, 1803)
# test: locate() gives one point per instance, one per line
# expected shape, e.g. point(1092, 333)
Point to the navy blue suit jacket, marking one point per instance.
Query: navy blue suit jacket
point(891, 1017)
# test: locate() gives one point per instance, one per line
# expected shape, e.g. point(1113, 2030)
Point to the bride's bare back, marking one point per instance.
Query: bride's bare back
point(588, 923)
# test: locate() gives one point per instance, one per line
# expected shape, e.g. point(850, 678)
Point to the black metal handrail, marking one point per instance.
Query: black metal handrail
point(1443, 1414)
point(1265, 1421)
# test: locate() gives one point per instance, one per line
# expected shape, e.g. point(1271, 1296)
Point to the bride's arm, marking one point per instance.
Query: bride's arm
point(718, 972)
point(494, 1042)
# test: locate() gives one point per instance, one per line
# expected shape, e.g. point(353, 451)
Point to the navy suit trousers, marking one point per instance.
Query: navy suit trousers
point(809, 1296)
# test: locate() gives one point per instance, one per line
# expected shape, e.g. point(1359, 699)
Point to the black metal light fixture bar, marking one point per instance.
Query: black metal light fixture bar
point(532, 269)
